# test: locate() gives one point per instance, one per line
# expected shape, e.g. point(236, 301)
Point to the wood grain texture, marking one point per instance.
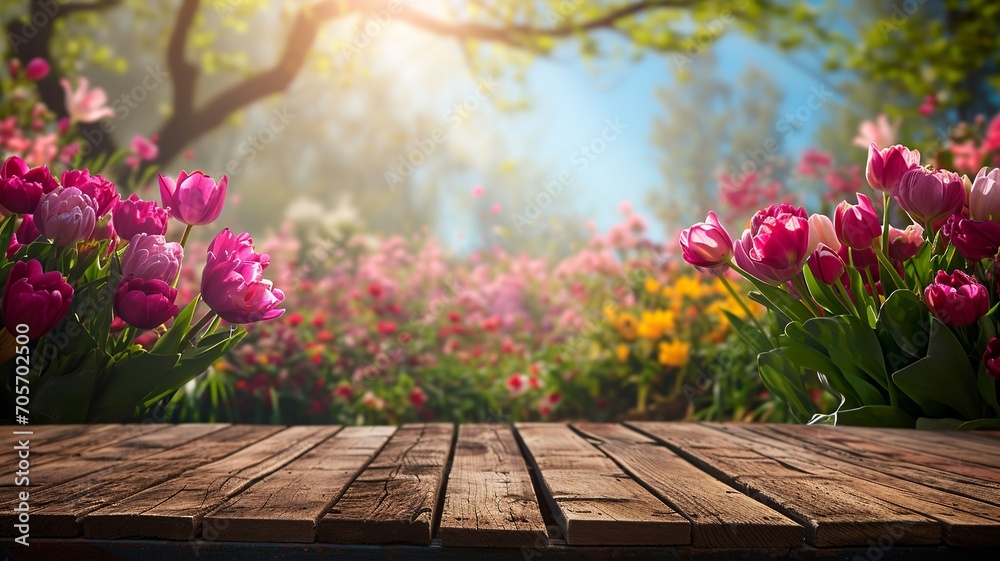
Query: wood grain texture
point(394, 499)
point(965, 522)
point(490, 501)
point(952, 444)
point(836, 510)
point(286, 505)
point(174, 508)
point(720, 515)
point(594, 501)
point(57, 509)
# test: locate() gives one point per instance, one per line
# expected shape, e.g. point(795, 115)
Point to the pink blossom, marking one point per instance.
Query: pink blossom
point(881, 132)
point(85, 105)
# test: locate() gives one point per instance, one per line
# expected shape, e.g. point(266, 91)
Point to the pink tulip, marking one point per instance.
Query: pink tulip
point(233, 284)
point(991, 358)
point(152, 257)
point(22, 188)
point(145, 303)
point(880, 132)
point(66, 215)
point(826, 265)
point(904, 244)
point(36, 69)
point(193, 199)
point(821, 230)
point(957, 299)
point(775, 247)
point(857, 226)
point(984, 197)
point(707, 244)
point(34, 298)
point(102, 191)
point(133, 216)
point(886, 167)
point(25, 234)
point(930, 197)
point(85, 105)
point(976, 239)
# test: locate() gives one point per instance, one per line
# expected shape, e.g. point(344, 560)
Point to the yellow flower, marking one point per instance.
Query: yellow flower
point(626, 325)
point(652, 285)
point(622, 352)
point(655, 325)
point(675, 354)
point(718, 334)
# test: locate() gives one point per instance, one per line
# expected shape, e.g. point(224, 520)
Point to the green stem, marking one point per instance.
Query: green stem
point(845, 299)
point(643, 395)
point(885, 223)
point(746, 309)
point(209, 316)
point(800, 286)
point(187, 232)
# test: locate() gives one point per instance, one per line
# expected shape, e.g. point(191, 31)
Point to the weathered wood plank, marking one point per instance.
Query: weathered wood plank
point(965, 522)
point(395, 497)
point(57, 509)
point(948, 444)
point(594, 501)
point(174, 508)
point(286, 505)
point(720, 515)
point(490, 501)
point(969, 480)
point(834, 509)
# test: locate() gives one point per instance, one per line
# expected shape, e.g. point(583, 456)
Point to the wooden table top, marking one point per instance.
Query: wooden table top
point(538, 490)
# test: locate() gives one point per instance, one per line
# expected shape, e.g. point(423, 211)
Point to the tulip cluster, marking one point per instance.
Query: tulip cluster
point(860, 272)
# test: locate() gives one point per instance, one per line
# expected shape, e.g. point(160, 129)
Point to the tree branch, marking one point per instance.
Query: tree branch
point(184, 74)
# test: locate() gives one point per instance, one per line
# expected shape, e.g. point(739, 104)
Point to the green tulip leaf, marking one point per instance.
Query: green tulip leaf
point(905, 317)
point(980, 424)
point(780, 300)
point(824, 294)
point(783, 378)
point(944, 378)
point(870, 416)
point(130, 377)
point(749, 334)
point(64, 397)
point(170, 341)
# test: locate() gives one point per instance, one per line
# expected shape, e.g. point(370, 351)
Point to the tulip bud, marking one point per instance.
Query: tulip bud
point(984, 196)
point(34, 298)
point(904, 244)
point(886, 167)
point(707, 244)
point(775, 247)
point(931, 197)
point(957, 299)
point(14, 67)
point(145, 303)
point(22, 188)
point(152, 257)
point(66, 215)
point(36, 69)
point(821, 230)
point(133, 216)
point(976, 239)
point(858, 225)
point(991, 358)
point(193, 199)
point(826, 265)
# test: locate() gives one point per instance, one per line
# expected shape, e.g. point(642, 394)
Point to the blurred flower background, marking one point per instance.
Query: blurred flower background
point(472, 208)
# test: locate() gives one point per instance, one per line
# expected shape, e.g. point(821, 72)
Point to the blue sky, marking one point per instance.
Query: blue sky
point(570, 103)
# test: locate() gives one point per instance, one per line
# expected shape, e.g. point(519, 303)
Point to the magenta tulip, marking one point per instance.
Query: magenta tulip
point(976, 239)
point(152, 257)
point(102, 191)
point(34, 298)
point(864, 260)
point(133, 216)
point(904, 244)
point(36, 69)
point(233, 284)
point(991, 358)
point(66, 215)
point(984, 197)
point(957, 299)
point(707, 244)
point(826, 265)
point(776, 245)
point(145, 303)
point(886, 167)
point(193, 199)
point(857, 225)
point(931, 197)
point(21, 188)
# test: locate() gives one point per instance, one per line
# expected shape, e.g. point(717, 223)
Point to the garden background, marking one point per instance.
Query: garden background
point(472, 208)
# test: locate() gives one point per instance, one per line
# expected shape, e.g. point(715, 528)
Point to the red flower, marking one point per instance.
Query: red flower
point(535, 382)
point(318, 320)
point(295, 319)
point(515, 383)
point(344, 392)
point(317, 359)
point(534, 369)
point(324, 336)
point(386, 327)
point(554, 398)
point(375, 290)
point(417, 398)
point(454, 317)
point(404, 337)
